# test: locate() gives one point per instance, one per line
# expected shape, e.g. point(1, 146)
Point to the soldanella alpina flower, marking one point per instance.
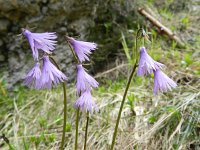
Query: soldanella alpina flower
point(147, 64)
point(50, 74)
point(44, 41)
point(85, 102)
point(32, 79)
point(82, 49)
point(84, 80)
point(162, 82)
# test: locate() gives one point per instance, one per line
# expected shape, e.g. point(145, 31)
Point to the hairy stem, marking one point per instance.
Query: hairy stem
point(86, 130)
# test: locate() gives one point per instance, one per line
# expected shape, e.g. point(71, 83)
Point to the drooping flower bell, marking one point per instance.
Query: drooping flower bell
point(162, 82)
point(44, 41)
point(51, 75)
point(85, 102)
point(84, 80)
point(32, 79)
point(82, 49)
point(147, 64)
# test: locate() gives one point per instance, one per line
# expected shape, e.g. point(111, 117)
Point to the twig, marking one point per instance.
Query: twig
point(161, 27)
point(6, 140)
point(110, 70)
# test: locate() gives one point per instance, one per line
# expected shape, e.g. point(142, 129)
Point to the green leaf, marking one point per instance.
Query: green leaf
point(188, 59)
point(152, 119)
point(126, 49)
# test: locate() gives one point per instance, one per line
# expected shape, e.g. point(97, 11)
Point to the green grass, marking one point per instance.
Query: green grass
point(32, 119)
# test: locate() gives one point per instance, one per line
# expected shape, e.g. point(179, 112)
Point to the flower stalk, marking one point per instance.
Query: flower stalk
point(86, 130)
point(65, 109)
point(84, 83)
point(76, 136)
point(78, 109)
point(122, 104)
point(65, 117)
point(126, 90)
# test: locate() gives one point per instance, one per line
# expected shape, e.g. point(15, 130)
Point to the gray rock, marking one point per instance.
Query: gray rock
point(4, 23)
point(2, 57)
point(1, 42)
point(83, 19)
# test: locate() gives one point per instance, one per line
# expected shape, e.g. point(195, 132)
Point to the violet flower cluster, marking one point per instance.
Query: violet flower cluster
point(46, 75)
point(147, 66)
point(84, 82)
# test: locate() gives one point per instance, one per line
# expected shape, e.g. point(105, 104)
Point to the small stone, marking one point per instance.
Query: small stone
point(4, 24)
point(2, 58)
point(44, 1)
point(44, 10)
point(1, 42)
point(63, 29)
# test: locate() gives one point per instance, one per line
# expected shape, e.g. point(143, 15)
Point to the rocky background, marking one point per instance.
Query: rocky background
point(101, 21)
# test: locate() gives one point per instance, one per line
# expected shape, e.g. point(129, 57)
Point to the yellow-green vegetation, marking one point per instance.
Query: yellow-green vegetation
point(32, 119)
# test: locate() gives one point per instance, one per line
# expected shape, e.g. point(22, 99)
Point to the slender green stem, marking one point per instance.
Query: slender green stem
point(136, 53)
point(121, 107)
point(76, 136)
point(65, 117)
point(136, 44)
point(65, 109)
point(86, 130)
point(78, 110)
point(126, 90)
point(73, 52)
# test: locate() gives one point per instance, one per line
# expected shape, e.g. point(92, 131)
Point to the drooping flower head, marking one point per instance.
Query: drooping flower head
point(32, 79)
point(50, 74)
point(147, 64)
point(85, 102)
point(82, 49)
point(44, 41)
point(162, 82)
point(84, 81)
